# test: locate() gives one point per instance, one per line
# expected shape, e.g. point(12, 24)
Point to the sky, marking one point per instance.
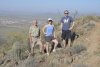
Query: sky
point(49, 6)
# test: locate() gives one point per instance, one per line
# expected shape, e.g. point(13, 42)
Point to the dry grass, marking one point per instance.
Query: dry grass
point(18, 44)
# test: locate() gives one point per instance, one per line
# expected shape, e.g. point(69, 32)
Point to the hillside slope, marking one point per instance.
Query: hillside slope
point(85, 51)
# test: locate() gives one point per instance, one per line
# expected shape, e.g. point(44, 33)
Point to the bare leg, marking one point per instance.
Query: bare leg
point(32, 50)
point(55, 44)
point(32, 47)
point(41, 47)
point(64, 42)
point(33, 42)
point(47, 47)
point(69, 42)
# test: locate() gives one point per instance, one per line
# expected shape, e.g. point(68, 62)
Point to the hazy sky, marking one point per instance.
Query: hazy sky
point(42, 6)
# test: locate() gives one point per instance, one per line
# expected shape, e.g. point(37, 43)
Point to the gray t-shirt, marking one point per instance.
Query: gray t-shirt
point(66, 22)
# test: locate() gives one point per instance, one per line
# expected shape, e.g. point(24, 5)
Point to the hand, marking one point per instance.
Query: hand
point(54, 37)
point(60, 32)
point(70, 28)
point(45, 33)
point(31, 40)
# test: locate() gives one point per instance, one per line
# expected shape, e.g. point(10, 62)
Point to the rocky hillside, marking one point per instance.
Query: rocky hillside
point(85, 51)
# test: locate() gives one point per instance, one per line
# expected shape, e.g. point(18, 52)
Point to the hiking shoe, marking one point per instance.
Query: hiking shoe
point(54, 50)
point(48, 54)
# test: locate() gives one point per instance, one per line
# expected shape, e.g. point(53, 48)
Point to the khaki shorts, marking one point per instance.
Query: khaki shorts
point(35, 41)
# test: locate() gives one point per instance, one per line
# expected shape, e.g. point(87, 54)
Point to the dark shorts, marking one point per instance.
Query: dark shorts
point(49, 38)
point(66, 34)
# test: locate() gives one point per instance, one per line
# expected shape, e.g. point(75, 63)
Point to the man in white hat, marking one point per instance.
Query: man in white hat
point(48, 30)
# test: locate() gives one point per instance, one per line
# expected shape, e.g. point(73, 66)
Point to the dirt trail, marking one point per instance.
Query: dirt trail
point(94, 39)
point(93, 60)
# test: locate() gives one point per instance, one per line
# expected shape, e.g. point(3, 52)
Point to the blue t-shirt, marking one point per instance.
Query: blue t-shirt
point(66, 22)
point(49, 30)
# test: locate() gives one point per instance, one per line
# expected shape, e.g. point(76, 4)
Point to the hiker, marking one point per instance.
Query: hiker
point(34, 36)
point(48, 30)
point(66, 26)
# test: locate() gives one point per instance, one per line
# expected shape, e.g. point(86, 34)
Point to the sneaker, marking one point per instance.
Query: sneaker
point(54, 50)
point(48, 54)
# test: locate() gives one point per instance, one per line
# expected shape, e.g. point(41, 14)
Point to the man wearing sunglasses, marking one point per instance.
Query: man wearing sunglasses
point(66, 26)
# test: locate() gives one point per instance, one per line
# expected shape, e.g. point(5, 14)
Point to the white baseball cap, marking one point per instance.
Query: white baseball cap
point(50, 19)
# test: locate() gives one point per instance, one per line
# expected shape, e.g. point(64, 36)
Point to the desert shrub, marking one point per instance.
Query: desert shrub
point(79, 65)
point(16, 51)
point(29, 62)
point(57, 26)
point(19, 50)
point(85, 24)
point(89, 25)
point(25, 47)
point(76, 49)
point(95, 18)
point(12, 37)
point(85, 19)
point(3, 42)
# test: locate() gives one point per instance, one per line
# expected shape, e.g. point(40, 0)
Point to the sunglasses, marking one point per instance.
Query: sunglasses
point(65, 13)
